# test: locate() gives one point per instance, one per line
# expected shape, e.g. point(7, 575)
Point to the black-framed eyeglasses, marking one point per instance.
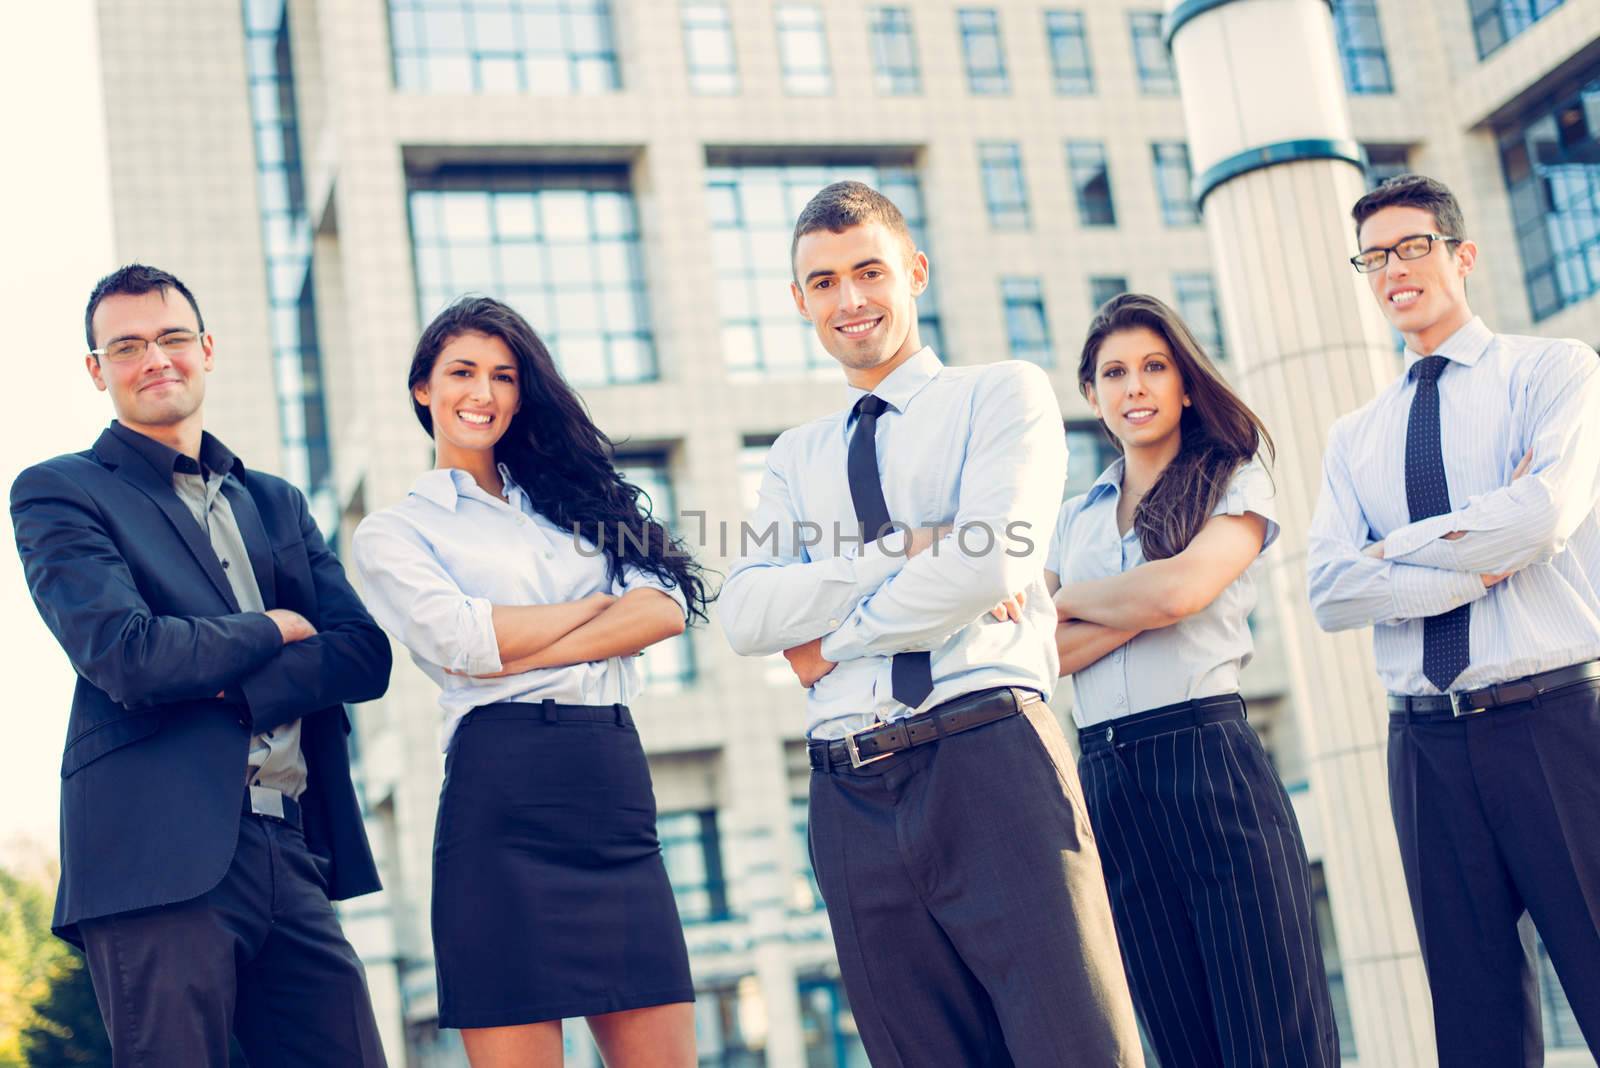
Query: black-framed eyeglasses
point(1413, 247)
point(173, 343)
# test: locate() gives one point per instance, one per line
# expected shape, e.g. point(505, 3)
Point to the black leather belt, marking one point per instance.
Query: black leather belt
point(1163, 720)
point(291, 812)
point(871, 744)
point(1432, 709)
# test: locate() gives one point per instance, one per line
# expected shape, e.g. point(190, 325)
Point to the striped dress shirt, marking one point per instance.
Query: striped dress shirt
point(1501, 396)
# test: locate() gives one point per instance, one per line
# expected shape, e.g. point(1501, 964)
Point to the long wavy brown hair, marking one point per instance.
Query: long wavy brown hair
point(1219, 432)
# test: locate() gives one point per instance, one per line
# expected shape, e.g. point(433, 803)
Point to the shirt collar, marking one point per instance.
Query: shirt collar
point(1466, 346)
point(445, 486)
point(903, 383)
point(1110, 481)
point(215, 457)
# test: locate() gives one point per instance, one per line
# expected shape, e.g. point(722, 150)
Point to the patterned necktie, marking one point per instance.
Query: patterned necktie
point(1446, 646)
point(910, 674)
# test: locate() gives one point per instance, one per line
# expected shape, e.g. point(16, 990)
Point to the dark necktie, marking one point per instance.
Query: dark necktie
point(910, 674)
point(1446, 646)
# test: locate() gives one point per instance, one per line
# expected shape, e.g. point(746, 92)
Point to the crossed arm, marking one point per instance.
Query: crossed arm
point(414, 598)
point(1099, 616)
point(879, 603)
point(281, 665)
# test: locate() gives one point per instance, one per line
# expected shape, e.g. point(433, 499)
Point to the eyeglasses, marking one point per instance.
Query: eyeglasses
point(1407, 248)
point(173, 343)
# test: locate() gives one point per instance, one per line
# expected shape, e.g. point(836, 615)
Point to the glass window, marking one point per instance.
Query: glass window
point(803, 50)
point(548, 47)
point(805, 895)
point(984, 52)
point(1027, 327)
point(708, 47)
point(1332, 963)
point(559, 245)
point(286, 238)
point(1550, 156)
point(894, 51)
point(828, 1026)
point(692, 851)
point(729, 1024)
point(668, 665)
point(1385, 162)
point(1366, 61)
point(753, 210)
point(1494, 22)
point(1174, 183)
point(1091, 182)
point(1089, 452)
point(1103, 287)
point(1195, 299)
point(1004, 188)
point(1560, 1022)
point(1069, 53)
point(1150, 56)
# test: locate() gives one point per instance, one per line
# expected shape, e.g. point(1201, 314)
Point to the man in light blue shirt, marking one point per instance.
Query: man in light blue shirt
point(947, 825)
point(1458, 518)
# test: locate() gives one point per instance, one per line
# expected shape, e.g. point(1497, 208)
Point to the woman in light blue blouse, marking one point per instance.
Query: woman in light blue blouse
point(523, 575)
point(1151, 575)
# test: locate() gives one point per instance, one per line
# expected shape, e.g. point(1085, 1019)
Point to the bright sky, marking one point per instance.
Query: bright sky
point(55, 214)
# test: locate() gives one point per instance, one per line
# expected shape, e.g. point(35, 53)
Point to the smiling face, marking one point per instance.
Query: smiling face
point(858, 289)
point(1137, 389)
point(1425, 299)
point(160, 391)
point(471, 395)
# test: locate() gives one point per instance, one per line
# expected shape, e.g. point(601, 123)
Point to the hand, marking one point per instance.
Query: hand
point(597, 602)
point(1494, 580)
point(292, 625)
point(923, 538)
point(1375, 550)
point(1011, 608)
point(808, 663)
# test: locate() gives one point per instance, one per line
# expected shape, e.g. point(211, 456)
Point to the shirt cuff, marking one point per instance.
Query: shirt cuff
point(480, 647)
point(1408, 539)
point(1420, 592)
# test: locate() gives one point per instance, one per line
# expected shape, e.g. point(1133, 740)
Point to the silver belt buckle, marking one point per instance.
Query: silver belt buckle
point(855, 753)
point(1458, 709)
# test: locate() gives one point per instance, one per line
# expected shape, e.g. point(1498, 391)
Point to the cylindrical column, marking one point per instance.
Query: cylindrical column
point(1269, 139)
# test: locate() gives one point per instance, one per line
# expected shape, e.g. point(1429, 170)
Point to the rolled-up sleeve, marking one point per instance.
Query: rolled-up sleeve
point(413, 597)
point(634, 578)
point(1251, 492)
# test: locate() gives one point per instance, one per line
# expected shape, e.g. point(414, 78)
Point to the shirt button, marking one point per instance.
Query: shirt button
point(833, 622)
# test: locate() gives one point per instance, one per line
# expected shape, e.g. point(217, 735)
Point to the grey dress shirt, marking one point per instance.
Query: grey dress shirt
point(276, 766)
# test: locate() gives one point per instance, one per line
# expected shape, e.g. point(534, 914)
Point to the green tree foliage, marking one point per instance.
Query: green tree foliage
point(30, 958)
point(66, 1028)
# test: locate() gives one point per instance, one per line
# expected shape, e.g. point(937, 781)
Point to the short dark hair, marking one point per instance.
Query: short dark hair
point(135, 280)
point(838, 207)
point(1413, 191)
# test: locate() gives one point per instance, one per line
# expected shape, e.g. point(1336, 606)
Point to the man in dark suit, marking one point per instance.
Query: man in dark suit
point(207, 813)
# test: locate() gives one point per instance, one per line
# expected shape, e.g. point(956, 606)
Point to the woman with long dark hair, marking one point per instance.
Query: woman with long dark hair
point(523, 574)
point(1151, 572)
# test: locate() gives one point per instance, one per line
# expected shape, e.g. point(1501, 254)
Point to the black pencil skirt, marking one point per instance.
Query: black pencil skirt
point(550, 897)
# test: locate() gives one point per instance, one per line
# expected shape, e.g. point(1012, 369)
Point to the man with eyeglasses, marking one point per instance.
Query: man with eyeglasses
point(207, 812)
point(1459, 519)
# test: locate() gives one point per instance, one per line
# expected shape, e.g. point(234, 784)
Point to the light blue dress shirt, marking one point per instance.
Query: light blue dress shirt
point(433, 567)
point(978, 447)
point(1199, 656)
point(1500, 395)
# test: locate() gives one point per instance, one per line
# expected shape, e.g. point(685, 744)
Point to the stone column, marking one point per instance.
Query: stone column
point(1277, 173)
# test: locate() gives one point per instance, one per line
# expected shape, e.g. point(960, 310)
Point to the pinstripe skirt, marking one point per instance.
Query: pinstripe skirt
point(1210, 889)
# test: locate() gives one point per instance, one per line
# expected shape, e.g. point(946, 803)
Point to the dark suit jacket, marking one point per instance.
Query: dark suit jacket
point(153, 777)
